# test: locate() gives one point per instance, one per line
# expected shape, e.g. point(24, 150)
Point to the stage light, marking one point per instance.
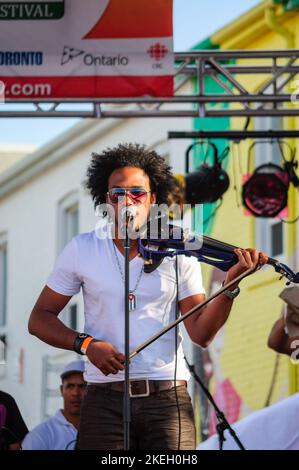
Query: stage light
point(265, 193)
point(208, 182)
point(205, 184)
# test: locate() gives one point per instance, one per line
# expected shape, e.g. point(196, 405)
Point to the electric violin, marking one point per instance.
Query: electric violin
point(172, 240)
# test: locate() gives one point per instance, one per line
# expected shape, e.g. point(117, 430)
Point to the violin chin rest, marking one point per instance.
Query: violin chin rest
point(151, 265)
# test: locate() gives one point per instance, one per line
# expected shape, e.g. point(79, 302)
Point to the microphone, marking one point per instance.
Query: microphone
point(128, 213)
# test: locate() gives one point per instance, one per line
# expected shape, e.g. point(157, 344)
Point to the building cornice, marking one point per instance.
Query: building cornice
point(57, 150)
point(245, 29)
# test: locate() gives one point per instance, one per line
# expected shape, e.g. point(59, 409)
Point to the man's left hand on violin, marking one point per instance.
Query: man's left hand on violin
point(247, 258)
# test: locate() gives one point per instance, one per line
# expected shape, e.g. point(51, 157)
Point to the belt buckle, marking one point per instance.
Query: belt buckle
point(143, 385)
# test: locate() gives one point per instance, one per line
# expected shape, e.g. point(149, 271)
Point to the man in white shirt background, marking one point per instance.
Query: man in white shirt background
point(60, 431)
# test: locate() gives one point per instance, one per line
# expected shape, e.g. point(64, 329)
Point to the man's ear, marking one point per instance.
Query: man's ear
point(153, 198)
point(61, 388)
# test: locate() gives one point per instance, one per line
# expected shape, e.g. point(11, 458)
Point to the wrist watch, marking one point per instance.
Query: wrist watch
point(232, 294)
point(81, 343)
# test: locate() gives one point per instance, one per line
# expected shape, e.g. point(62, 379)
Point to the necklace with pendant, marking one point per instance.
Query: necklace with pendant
point(132, 294)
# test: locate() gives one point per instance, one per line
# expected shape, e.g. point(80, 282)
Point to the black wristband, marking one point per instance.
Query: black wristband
point(79, 341)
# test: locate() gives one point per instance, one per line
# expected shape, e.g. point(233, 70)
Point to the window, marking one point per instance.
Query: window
point(68, 219)
point(3, 284)
point(71, 222)
point(270, 237)
point(269, 233)
point(277, 239)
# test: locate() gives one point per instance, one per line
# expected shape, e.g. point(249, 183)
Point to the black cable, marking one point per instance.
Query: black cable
point(234, 162)
point(280, 144)
point(239, 157)
point(273, 381)
point(284, 221)
point(247, 122)
point(293, 165)
point(176, 349)
point(224, 154)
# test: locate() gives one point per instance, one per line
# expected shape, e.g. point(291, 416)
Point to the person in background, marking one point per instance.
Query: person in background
point(284, 336)
point(60, 431)
point(12, 426)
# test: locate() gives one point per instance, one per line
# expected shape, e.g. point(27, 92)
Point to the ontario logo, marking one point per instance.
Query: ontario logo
point(157, 51)
point(34, 10)
point(70, 53)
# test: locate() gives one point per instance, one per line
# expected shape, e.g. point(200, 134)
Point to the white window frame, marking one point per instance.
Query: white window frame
point(70, 201)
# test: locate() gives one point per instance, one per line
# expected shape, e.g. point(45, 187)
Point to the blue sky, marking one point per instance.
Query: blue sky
point(194, 20)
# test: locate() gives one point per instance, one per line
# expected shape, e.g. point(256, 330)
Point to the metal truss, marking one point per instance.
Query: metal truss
point(235, 135)
point(232, 71)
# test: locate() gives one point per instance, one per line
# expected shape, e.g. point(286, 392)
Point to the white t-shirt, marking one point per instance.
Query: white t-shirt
point(56, 433)
point(89, 261)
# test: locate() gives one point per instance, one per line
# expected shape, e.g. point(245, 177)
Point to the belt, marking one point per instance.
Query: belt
point(140, 388)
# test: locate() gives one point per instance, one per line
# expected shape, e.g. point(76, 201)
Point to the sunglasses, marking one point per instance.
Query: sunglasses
point(136, 195)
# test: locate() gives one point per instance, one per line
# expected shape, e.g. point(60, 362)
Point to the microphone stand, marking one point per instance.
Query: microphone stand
point(223, 424)
point(127, 403)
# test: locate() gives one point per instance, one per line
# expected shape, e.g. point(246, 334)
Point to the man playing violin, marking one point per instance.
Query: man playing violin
point(132, 176)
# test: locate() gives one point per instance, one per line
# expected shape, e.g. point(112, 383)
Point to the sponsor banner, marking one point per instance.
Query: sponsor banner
point(83, 87)
point(76, 61)
point(92, 49)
